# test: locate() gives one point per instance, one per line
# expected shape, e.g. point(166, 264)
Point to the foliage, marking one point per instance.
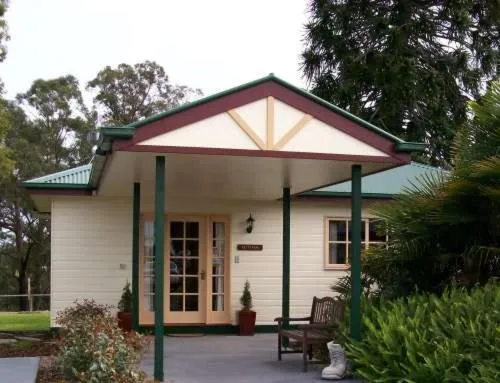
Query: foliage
point(407, 66)
point(426, 338)
point(5, 162)
point(92, 347)
point(246, 297)
point(447, 228)
point(4, 35)
point(62, 119)
point(127, 93)
point(125, 304)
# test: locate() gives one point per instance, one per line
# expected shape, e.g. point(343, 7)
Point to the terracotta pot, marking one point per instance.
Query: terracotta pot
point(246, 320)
point(125, 321)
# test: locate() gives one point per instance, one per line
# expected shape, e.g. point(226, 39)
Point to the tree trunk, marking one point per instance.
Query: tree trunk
point(22, 289)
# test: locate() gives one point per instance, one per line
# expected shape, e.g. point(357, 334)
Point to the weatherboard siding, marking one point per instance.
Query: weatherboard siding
point(91, 238)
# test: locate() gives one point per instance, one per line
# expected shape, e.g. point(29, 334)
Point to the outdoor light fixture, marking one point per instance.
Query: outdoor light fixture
point(250, 221)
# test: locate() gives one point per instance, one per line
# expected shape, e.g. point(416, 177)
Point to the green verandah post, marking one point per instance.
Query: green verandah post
point(136, 214)
point(285, 289)
point(356, 253)
point(159, 264)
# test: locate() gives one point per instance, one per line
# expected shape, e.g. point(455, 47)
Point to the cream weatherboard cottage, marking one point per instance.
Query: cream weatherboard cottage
point(165, 201)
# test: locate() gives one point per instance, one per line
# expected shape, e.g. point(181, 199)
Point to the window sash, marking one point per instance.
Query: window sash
point(346, 241)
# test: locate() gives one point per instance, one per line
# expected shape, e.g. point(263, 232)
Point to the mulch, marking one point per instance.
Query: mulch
point(44, 348)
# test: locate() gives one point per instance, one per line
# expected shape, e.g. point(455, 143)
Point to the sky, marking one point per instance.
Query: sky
point(208, 44)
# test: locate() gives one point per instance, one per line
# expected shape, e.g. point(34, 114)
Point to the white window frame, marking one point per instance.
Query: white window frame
point(365, 243)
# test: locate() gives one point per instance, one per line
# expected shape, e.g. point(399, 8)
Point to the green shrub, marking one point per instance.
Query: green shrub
point(125, 304)
point(425, 338)
point(93, 349)
point(246, 297)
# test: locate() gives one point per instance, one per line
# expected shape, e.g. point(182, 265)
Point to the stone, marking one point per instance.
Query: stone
point(7, 341)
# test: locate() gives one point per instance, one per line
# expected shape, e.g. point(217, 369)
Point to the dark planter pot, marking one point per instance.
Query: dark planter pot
point(246, 320)
point(125, 321)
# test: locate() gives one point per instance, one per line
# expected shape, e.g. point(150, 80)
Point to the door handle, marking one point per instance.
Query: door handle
point(203, 275)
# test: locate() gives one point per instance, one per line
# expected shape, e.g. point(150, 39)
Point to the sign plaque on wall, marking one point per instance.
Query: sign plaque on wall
point(248, 247)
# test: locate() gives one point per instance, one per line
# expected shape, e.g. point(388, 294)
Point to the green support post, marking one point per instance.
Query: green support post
point(356, 253)
point(285, 288)
point(136, 214)
point(159, 265)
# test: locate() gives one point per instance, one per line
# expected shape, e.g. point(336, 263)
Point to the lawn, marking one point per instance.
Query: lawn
point(25, 321)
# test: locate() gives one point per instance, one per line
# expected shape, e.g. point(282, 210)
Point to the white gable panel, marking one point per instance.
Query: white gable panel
point(285, 118)
point(219, 131)
point(318, 137)
point(255, 115)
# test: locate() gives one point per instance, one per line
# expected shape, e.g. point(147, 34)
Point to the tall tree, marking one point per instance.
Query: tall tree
point(24, 236)
point(5, 161)
point(62, 120)
point(407, 66)
point(129, 92)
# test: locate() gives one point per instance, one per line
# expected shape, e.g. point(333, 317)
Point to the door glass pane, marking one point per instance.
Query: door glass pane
point(218, 229)
point(148, 266)
point(217, 302)
point(218, 266)
point(192, 230)
point(218, 248)
point(176, 248)
point(192, 248)
point(217, 284)
point(176, 266)
point(191, 284)
point(191, 303)
point(191, 267)
point(176, 302)
point(176, 284)
point(176, 229)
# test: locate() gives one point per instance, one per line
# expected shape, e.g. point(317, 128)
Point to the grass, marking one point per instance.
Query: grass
point(25, 321)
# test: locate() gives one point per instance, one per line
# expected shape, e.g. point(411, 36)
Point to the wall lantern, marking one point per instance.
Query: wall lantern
point(250, 221)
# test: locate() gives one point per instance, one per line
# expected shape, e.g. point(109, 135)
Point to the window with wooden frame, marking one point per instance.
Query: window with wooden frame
point(338, 240)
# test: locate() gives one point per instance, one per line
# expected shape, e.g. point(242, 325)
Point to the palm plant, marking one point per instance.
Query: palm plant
point(447, 228)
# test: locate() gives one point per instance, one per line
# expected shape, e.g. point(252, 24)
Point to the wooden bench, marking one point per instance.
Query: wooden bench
point(325, 313)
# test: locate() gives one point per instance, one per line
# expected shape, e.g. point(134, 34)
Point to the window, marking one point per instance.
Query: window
point(338, 240)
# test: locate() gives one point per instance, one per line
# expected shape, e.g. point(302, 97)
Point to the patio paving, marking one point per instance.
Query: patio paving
point(229, 359)
point(18, 370)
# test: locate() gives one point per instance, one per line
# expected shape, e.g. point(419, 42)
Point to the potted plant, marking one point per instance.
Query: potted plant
point(246, 316)
point(125, 309)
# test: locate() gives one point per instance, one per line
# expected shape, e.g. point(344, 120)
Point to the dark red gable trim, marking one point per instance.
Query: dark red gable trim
point(245, 96)
point(265, 153)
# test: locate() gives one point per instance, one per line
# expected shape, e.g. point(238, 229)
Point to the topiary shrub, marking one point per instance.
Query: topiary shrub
point(93, 349)
point(246, 298)
point(426, 338)
point(125, 303)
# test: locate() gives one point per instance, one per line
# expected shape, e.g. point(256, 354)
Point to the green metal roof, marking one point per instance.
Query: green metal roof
point(384, 184)
point(75, 177)
point(380, 185)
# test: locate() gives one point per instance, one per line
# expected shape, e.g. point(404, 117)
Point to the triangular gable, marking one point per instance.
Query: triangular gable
point(265, 124)
point(268, 116)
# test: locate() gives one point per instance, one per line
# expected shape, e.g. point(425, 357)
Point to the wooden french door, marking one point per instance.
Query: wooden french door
point(197, 270)
point(186, 275)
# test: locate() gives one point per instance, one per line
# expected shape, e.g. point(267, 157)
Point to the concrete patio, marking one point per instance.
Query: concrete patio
point(231, 359)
